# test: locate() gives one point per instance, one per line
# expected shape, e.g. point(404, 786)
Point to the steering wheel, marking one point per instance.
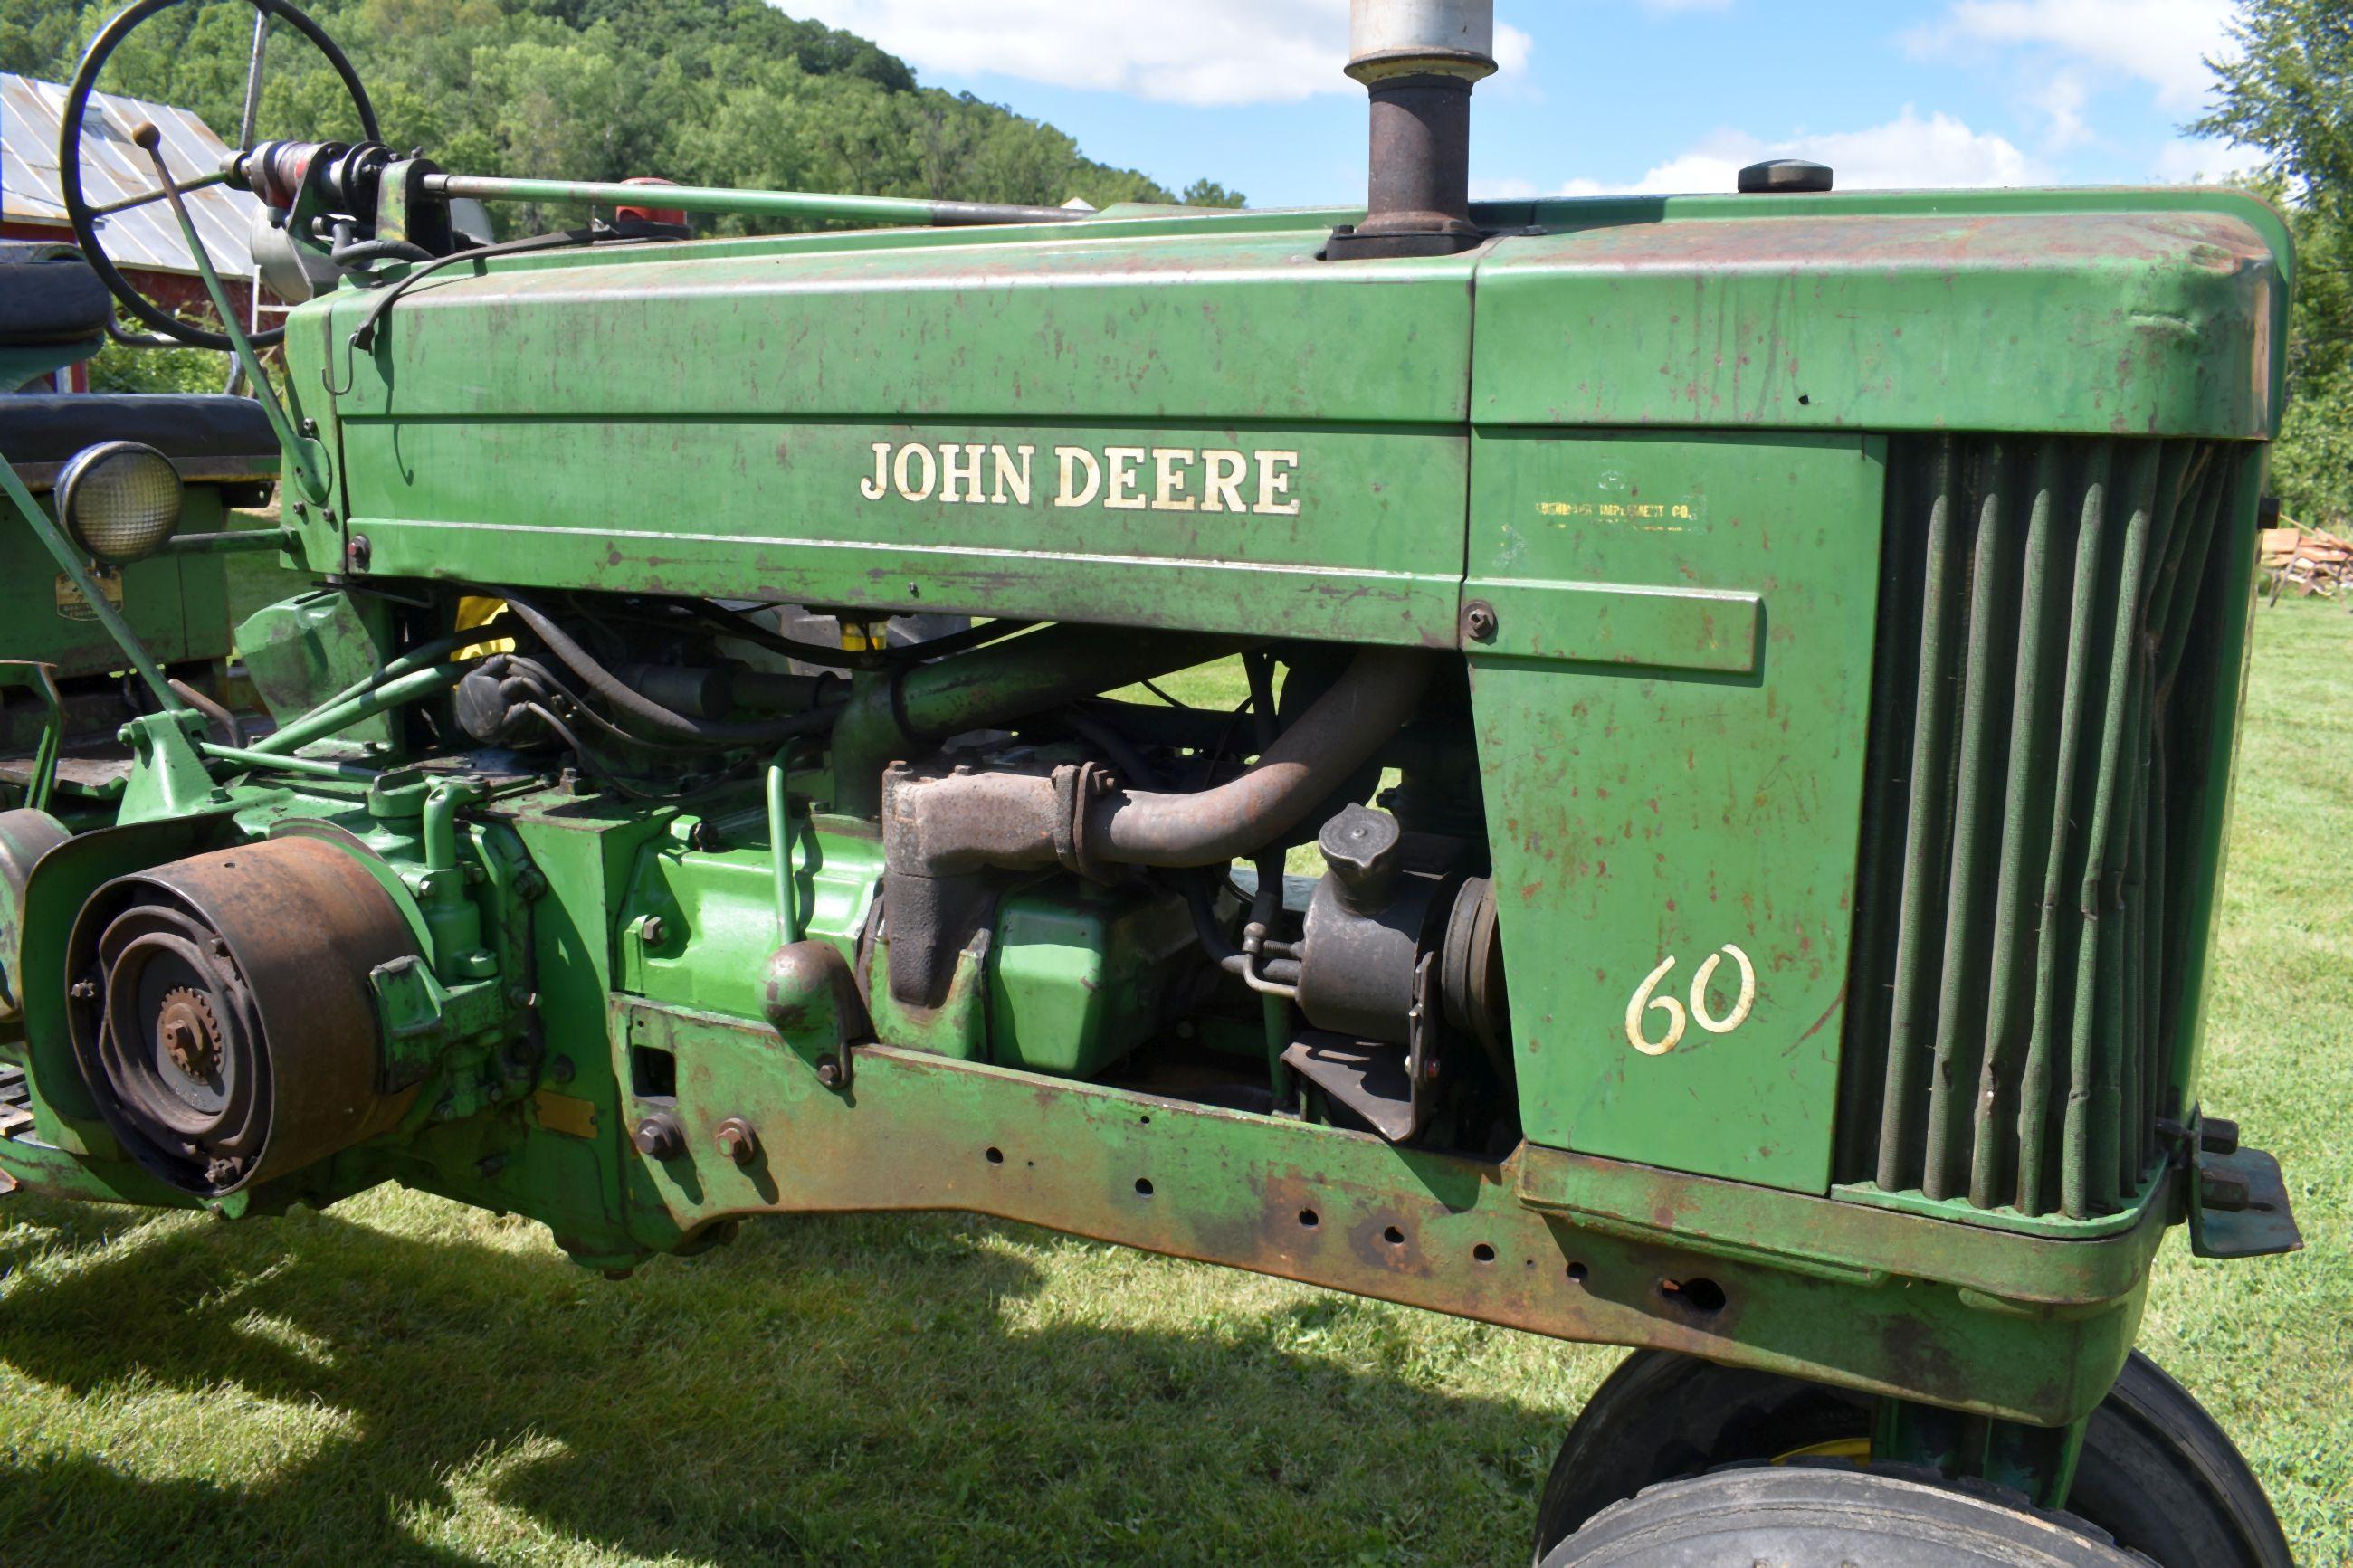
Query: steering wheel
point(85, 218)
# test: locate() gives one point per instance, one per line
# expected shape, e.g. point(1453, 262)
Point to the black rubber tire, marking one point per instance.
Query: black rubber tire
point(2156, 1472)
point(1804, 1516)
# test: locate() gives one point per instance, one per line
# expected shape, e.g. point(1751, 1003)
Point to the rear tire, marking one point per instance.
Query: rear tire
point(1801, 1516)
point(2156, 1472)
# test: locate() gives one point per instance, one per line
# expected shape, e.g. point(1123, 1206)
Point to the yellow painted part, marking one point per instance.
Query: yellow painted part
point(474, 610)
point(1855, 1448)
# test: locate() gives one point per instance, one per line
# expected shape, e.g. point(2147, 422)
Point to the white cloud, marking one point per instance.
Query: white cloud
point(2063, 104)
point(1206, 53)
point(1908, 152)
point(1504, 190)
point(2163, 43)
point(2187, 160)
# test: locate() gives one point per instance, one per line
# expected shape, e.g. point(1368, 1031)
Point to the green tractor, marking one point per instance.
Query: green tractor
point(150, 489)
point(1718, 854)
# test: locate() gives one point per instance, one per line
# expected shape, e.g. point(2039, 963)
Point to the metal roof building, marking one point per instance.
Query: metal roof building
point(144, 239)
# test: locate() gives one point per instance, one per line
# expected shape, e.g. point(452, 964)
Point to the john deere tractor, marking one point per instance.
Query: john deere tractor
point(1719, 854)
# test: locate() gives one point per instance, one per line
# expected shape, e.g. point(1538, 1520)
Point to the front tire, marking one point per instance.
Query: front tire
point(1802, 1516)
point(2156, 1472)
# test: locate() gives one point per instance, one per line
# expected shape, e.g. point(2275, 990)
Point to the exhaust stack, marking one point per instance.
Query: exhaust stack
point(1419, 60)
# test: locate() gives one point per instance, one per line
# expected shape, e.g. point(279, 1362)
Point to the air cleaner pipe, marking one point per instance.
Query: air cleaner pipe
point(900, 714)
point(935, 827)
point(1339, 732)
point(771, 204)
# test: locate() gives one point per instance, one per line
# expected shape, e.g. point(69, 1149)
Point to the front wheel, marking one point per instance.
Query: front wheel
point(1802, 1516)
point(2157, 1471)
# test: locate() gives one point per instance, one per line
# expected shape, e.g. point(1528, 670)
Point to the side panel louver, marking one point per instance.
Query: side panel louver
point(2044, 700)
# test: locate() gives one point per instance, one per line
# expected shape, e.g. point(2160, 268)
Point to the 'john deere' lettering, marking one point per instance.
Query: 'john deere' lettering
point(1120, 479)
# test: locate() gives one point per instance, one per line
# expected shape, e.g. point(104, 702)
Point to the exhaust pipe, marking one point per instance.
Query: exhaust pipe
point(1419, 60)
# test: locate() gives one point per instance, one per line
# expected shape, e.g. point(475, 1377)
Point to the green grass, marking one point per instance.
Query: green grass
point(405, 1381)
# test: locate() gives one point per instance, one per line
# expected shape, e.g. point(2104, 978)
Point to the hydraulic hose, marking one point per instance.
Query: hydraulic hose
point(645, 709)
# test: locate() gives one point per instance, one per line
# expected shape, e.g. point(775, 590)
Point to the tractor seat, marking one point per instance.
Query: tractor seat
point(48, 295)
point(209, 438)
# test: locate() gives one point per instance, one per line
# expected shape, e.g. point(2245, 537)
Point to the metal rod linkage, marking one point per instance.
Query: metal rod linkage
point(773, 203)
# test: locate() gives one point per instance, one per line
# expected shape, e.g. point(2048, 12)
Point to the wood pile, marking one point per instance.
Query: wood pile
point(2312, 561)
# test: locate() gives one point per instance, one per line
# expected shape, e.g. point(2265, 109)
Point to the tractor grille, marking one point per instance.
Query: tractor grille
point(2042, 712)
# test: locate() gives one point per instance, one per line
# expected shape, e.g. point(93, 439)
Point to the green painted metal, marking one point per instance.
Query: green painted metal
point(269, 761)
point(320, 647)
point(2115, 316)
point(1649, 818)
point(2079, 1267)
point(1082, 976)
point(176, 608)
point(338, 717)
point(2017, 886)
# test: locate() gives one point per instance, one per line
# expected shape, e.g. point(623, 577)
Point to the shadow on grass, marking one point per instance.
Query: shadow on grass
point(835, 1390)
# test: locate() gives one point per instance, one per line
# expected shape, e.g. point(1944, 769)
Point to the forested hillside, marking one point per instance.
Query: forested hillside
point(729, 92)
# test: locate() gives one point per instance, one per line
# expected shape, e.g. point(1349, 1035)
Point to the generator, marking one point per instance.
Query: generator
point(1706, 834)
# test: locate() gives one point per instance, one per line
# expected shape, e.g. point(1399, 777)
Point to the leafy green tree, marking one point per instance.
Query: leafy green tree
point(701, 91)
point(1210, 194)
point(2289, 92)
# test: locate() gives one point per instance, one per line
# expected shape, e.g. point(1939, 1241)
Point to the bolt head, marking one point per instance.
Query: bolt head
point(659, 1137)
point(829, 1071)
point(736, 1140)
point(652, 931)
point(1478, 621)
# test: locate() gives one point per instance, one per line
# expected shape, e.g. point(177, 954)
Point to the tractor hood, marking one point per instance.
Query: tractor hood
point(1130, 419)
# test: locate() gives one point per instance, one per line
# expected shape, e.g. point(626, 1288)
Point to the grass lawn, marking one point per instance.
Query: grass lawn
point(402, 1380)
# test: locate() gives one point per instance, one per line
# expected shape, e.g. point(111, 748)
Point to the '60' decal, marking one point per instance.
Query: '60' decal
point(1644, 1001)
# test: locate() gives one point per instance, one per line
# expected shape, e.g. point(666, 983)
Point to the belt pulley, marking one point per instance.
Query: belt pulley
point(221, 1011)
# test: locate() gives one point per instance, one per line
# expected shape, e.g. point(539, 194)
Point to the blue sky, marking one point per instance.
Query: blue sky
point(1601, 95)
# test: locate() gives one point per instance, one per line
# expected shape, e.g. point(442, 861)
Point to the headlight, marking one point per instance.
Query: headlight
point(119, 500)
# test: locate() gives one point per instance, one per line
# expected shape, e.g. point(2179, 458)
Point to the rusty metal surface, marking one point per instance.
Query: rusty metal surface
point(1338, 1209)
point(221, 1009)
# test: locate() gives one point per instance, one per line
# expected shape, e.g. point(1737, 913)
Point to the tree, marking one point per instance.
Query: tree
point(701, 91)
point(1210, 194)
point(2289, 93)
